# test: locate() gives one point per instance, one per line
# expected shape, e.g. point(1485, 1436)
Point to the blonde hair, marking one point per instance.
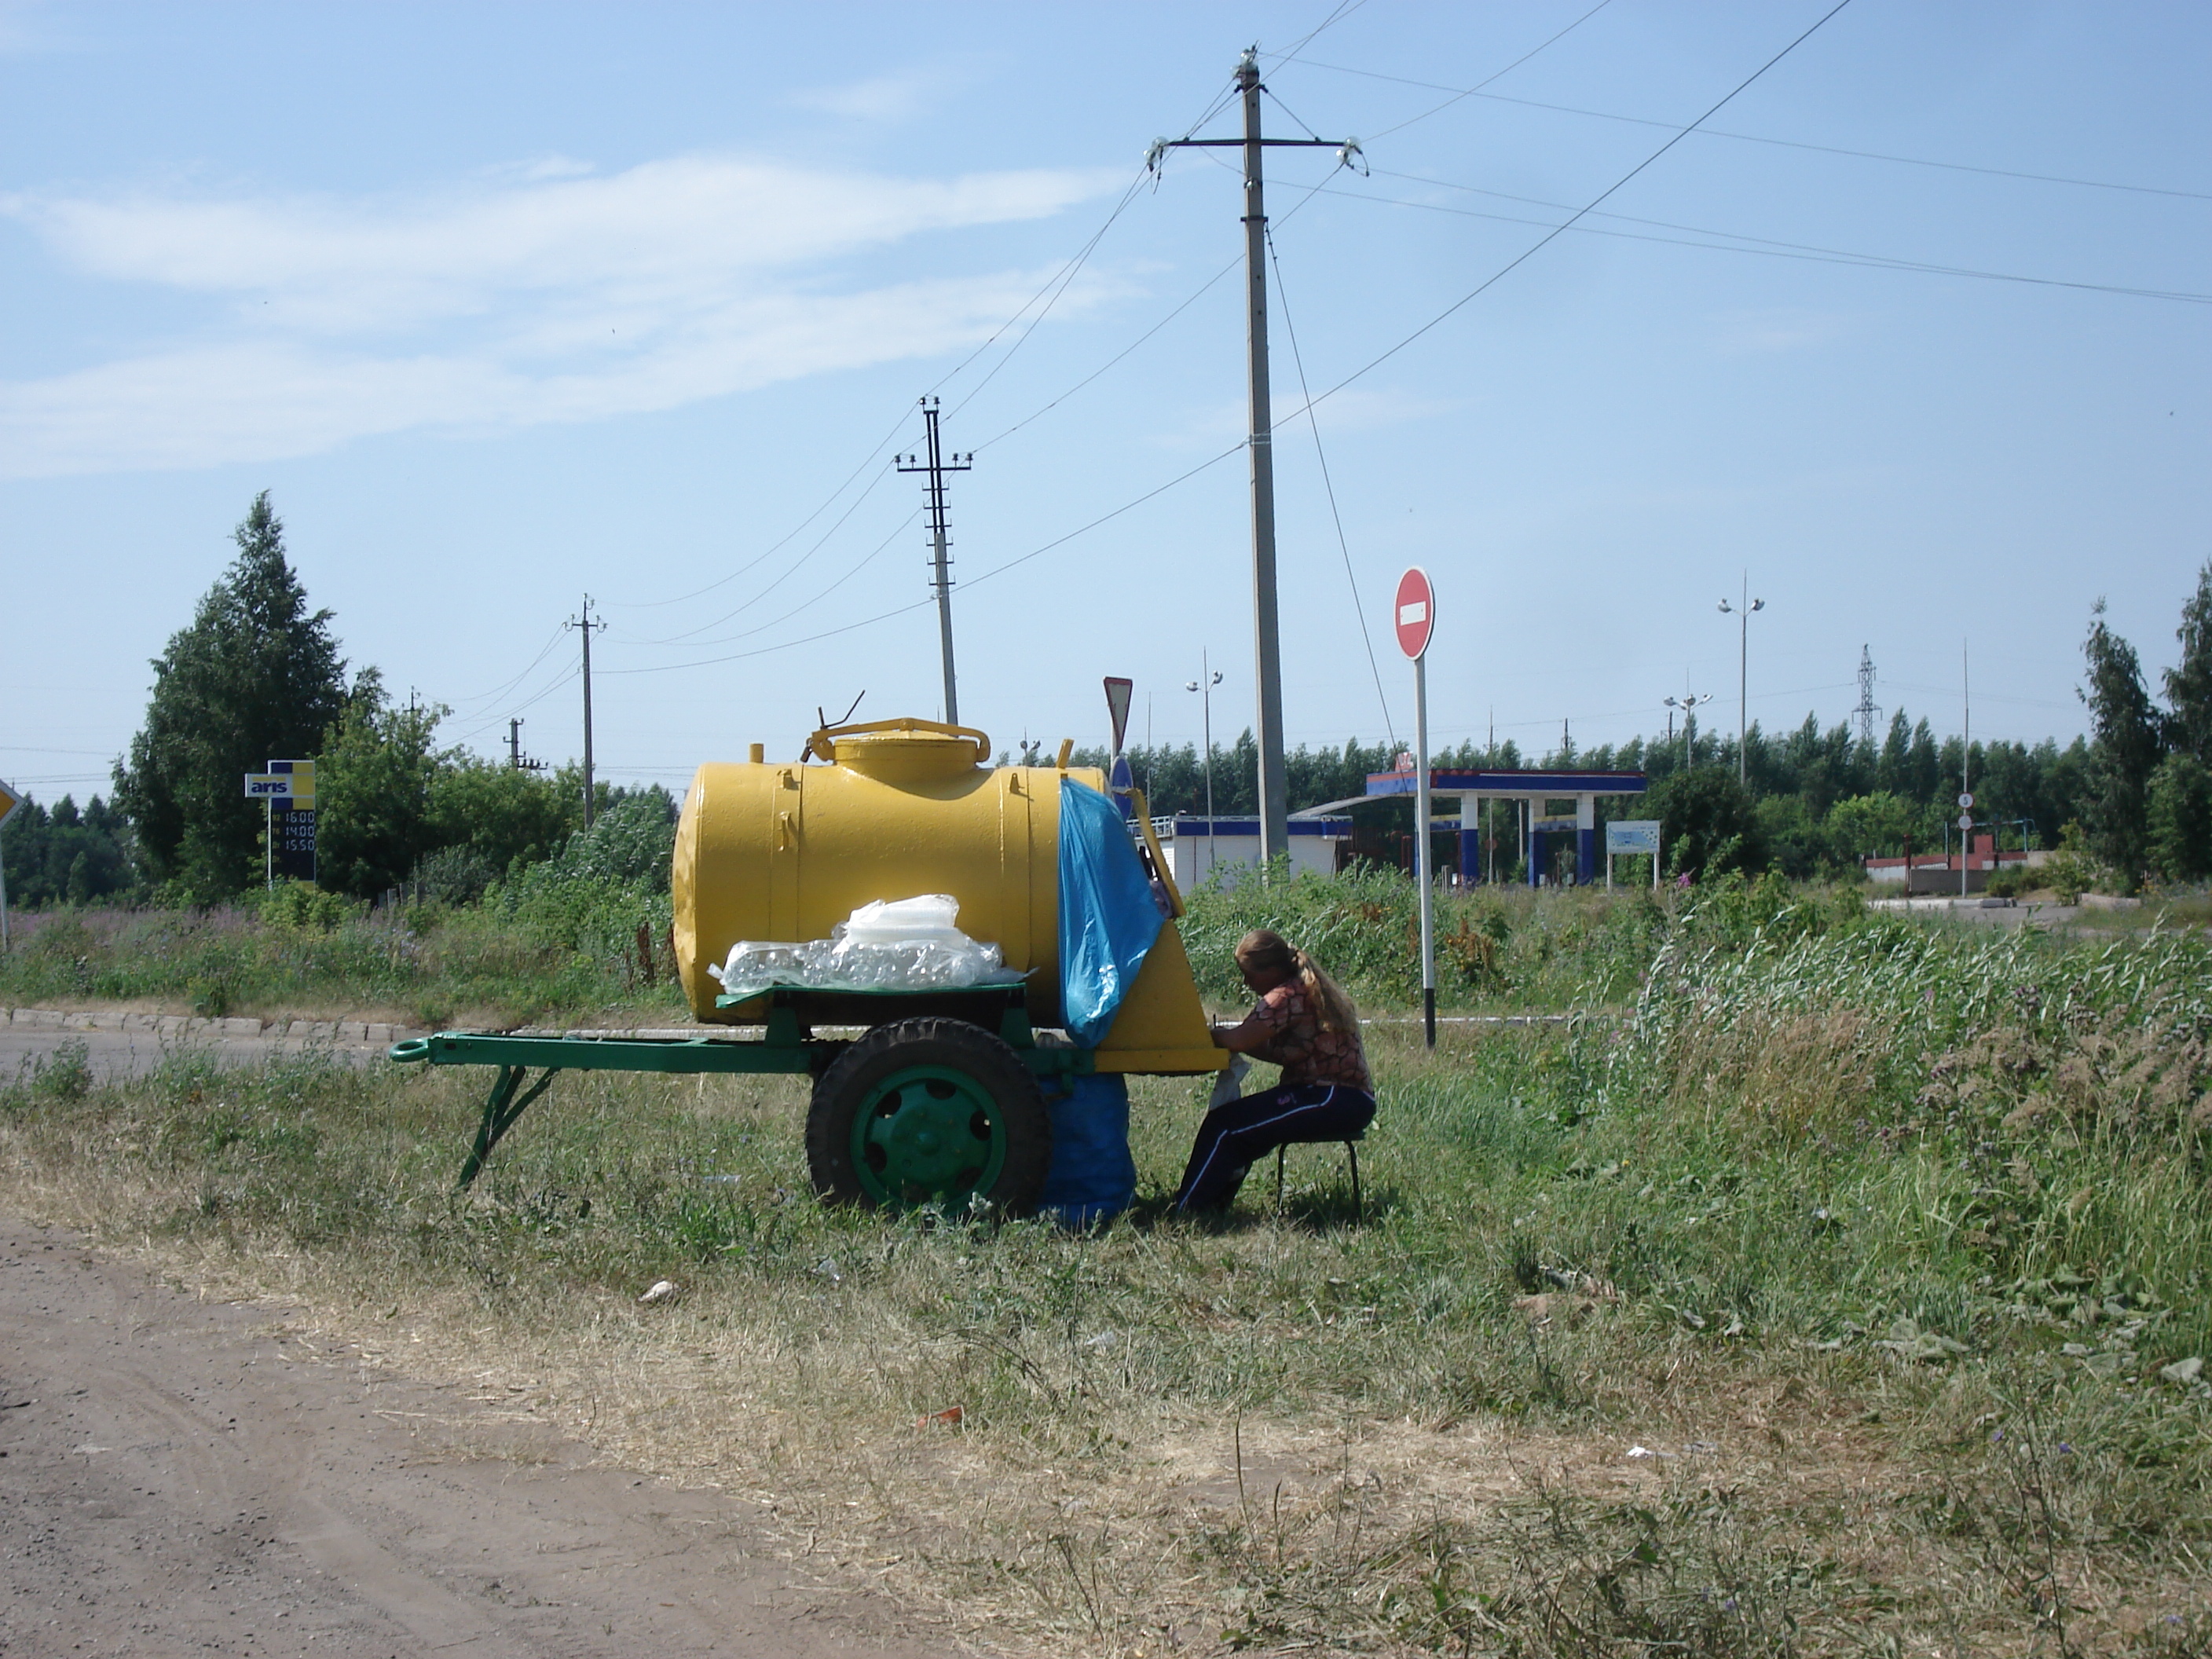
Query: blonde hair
point(1271, 952)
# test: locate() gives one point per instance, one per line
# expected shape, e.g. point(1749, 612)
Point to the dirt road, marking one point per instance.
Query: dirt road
point(187, 1477)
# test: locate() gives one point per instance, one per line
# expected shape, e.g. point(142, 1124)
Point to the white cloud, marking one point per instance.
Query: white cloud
point(545, 296)
point(879, 98)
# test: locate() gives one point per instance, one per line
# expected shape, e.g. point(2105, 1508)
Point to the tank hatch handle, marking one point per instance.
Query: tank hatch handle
point(823, 745)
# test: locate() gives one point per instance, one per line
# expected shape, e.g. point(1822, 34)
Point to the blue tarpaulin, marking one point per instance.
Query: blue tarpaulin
point(1093, 1177)
point(1108, 919)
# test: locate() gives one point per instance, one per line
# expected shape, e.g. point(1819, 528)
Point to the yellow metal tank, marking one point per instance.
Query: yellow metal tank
point(768, 851)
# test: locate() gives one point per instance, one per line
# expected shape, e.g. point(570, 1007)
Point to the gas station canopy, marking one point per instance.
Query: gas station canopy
point(1546, 803)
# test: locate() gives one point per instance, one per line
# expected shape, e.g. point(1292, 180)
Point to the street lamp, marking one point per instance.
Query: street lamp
point(1687, 703)
point(1741, 611)
point(1208, 678)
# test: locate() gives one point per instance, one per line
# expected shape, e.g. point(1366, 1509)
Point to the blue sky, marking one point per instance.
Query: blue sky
point(507, 304)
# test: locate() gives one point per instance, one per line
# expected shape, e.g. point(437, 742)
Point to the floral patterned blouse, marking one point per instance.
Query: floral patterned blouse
point(1307, 1054)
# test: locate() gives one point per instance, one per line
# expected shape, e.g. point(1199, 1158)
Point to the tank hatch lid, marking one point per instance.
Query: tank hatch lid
point(903, 750)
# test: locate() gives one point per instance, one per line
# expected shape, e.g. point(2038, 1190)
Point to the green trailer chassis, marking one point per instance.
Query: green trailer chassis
point(786, 1046)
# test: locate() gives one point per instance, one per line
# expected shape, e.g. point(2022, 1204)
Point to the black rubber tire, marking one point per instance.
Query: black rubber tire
point(955, 1044)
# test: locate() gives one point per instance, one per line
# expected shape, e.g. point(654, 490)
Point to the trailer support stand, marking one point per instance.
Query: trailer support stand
point(500, 1114)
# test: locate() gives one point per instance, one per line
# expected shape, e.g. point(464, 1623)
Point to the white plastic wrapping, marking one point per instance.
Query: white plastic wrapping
point(902, 945)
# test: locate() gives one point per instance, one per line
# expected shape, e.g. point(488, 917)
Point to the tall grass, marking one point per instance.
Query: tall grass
point(1887, 1245)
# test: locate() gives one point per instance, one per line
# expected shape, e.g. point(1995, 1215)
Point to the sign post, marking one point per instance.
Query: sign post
point(286, 792)
point(1965, 839)
point(1632, 835)
point(1415, 613)
point(10, 798)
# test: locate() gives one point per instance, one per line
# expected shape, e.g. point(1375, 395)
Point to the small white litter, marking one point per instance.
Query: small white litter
point(661, 1290)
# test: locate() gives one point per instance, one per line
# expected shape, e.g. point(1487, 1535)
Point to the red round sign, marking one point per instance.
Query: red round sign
point(1414, 612)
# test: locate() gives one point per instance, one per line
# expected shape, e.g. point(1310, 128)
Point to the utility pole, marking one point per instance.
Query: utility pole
point(1274, 798)
point(1209, 676)
point(1867, 708)
point(586, 626)
point(936, 466)
point(516, 760)
point(1742, 612)
point(1965, 766)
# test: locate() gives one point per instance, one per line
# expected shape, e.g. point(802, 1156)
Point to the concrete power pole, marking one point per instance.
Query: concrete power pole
point(586, 626)
point(936, 466)
point(1275, 799)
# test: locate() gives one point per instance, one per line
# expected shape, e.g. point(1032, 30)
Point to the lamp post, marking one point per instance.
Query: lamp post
point(1688, 703)
point(1208, 678)
point(1741, 611)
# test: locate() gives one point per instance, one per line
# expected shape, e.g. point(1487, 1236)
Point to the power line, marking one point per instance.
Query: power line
point(882, 444)
point(1751, 138)
point(1185, 304)
point(1558, 231)
point(814, 598)
point(1288, 54)
point(688, 640)
point(997, 570)
point(1477, 88)
point(1047, 408)
point(1764, 246)
point(1297, 357)
point(500, 691)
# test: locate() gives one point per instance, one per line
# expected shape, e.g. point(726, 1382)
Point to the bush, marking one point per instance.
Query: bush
point(1711, 828)
point(302, 904)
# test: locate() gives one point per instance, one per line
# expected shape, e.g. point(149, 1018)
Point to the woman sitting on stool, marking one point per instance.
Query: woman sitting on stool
point(1304, 1024)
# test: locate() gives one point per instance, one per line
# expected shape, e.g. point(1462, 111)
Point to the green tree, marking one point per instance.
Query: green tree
point(65, 856)
point(2189, 682)
point(1876, 825)
point(256, 677)
point(1710, 828)
point(2180, 815)
point(2126, 742)
point(374, 786)
point(498, 814)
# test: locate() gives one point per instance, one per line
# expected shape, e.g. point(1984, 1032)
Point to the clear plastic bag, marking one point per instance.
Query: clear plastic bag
point(902, 945)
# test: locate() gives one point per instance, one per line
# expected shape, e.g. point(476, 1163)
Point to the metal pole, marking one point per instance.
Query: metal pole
point(588, 802)
point(3, 898)
point(1743, 684)
point(1423, 854)
point(1965, 768)
point(267, 844)
point(1275, 799)
point(1206, 701)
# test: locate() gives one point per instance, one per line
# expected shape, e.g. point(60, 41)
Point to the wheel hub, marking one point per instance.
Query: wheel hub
point(929, 1134)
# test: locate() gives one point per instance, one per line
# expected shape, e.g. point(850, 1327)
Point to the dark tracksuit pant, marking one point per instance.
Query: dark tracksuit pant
point(1238, 1134)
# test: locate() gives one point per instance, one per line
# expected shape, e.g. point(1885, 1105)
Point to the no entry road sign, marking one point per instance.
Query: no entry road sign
point(1414, 612)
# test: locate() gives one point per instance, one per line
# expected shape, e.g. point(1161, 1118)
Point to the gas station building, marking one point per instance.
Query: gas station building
point(1544, 805)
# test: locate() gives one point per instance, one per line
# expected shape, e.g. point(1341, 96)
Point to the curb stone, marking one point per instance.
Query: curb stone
point(379, 1033)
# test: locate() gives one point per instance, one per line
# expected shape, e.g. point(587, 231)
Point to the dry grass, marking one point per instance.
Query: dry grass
point(1783, 1320)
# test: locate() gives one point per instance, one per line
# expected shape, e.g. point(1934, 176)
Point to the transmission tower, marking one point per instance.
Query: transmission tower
point(1867, 708)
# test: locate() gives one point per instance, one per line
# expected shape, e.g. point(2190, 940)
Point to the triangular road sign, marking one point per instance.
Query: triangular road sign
point(1118, 692)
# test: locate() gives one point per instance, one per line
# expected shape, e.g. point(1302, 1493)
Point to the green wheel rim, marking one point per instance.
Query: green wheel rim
point(929, 1134)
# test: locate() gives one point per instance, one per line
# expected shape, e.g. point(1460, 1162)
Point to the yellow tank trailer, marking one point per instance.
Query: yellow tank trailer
point(939, 1098)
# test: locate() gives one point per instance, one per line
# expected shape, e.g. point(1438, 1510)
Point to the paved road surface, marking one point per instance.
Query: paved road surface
point(120, 1045)
point(183, 1477)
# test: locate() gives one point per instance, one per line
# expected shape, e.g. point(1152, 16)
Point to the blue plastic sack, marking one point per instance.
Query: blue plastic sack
point(1108, 919)
point(1092, 1178)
